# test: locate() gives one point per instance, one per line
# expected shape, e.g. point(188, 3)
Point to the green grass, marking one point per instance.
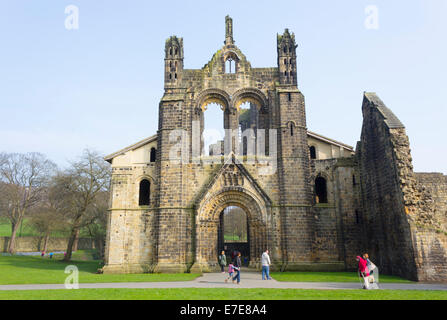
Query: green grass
point(27, 230)
point(330, 277)
point(221, 294)
point(24, 230)
point(38, 270)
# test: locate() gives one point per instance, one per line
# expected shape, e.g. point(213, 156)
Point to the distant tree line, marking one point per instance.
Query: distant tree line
point(53, 199)
point(235, 224)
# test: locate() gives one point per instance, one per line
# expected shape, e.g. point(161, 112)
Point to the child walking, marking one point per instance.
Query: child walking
point(230, 272)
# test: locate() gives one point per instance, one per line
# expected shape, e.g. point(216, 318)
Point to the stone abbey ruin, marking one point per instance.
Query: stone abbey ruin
point(314, 202)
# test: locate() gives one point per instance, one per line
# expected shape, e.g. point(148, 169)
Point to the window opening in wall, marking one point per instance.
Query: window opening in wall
point(313, 152)
point(320, 190)
point(145, 193)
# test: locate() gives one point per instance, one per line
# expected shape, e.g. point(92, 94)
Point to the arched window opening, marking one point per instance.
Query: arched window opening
point(153, 155)
point(170, 64)
point(170, 76)
point(230, 66)
point(320, 190)
point(175, 76)
point(176, 64)
point(313, 152)
point(170, 51)
point(289, 96)
point(145, 193)
point(176, 51)
point(354, 182)
point(248, 126)
point(285, 49)
point(285, 61)
point(213, 132)
point(290, 62)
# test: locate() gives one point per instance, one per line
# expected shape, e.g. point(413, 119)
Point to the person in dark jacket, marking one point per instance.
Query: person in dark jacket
point(237, 266)
point(222, 261)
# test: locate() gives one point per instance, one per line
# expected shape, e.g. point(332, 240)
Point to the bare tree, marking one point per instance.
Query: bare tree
point(48, 215)
point(98, 226)
point(23, 179)
point(79, 189)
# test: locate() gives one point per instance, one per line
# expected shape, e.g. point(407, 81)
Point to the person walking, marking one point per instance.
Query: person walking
point(371, 267)
point(363, 271)
point(237, 266)
point(230, 272)
point(222, 261)
point(265, 261)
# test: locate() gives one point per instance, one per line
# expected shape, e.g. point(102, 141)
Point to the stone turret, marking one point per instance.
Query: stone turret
point(287, 58)
point(173, 61)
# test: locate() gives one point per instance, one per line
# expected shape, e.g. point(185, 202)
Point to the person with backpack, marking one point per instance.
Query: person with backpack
point(222, 261)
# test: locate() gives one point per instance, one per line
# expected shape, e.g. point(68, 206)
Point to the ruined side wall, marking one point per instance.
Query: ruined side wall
point(383, 159)
point(402, 232)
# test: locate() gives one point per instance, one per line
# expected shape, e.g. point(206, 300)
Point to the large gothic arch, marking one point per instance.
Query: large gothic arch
point(213, 95)
point(251, 95)
point(208, 220)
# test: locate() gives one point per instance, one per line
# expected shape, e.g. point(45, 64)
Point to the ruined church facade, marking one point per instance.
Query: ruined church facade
point(314, 202)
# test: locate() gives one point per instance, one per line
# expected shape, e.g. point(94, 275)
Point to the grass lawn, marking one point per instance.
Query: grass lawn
point(330, 277)
point(221, 294)
point(27, 230)
point(38, 270)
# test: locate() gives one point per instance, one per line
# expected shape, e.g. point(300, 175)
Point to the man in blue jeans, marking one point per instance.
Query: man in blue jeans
point(237, 266)
point(265, 261)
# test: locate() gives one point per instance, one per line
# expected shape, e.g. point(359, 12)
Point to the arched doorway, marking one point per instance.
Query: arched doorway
point(210, 235)
point(233, 234)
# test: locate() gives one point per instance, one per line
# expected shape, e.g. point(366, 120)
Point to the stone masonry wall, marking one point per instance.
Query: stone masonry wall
point(338, 226)
point(399, 214)
point(436, 185)
point(35, 244)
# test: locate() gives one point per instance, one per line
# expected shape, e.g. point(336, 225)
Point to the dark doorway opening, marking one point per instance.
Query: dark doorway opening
point(233, 234)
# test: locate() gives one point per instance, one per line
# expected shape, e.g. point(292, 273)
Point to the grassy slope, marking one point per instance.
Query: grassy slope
point(222, 294)
point(329, 277)
point(35, 270)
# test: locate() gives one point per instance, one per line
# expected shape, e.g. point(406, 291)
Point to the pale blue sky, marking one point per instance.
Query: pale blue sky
point(99, 86)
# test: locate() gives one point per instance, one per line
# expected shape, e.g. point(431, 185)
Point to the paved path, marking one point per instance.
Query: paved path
point(216, 280)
